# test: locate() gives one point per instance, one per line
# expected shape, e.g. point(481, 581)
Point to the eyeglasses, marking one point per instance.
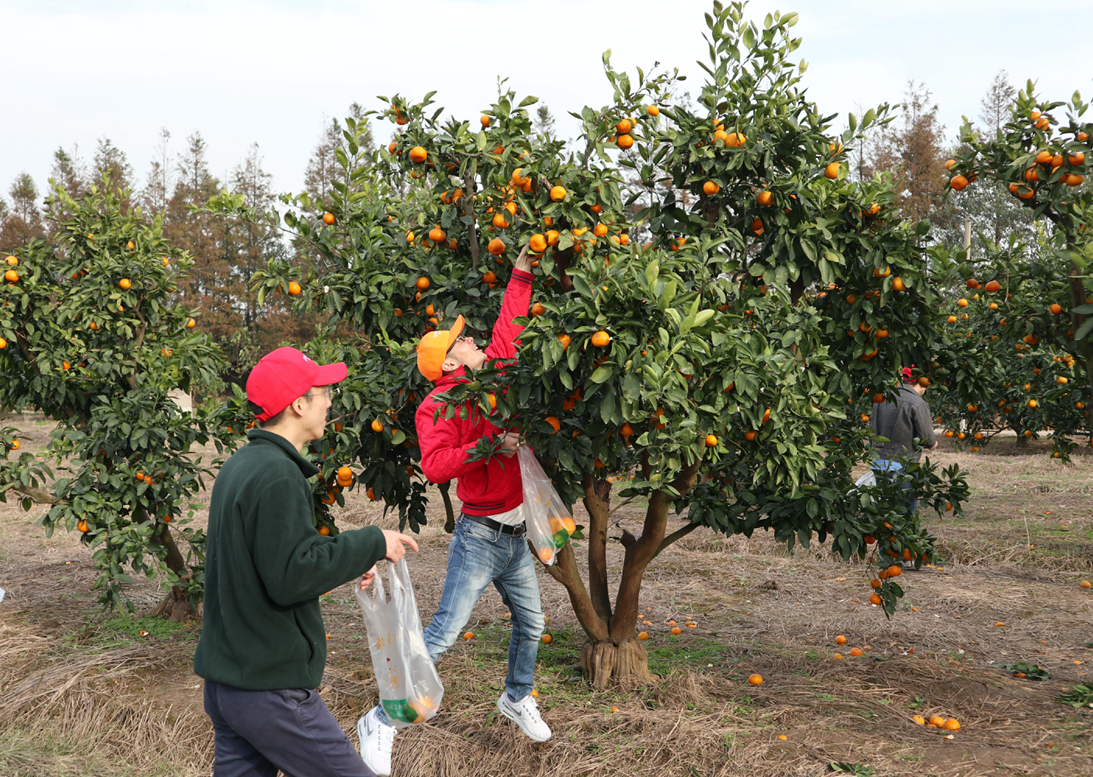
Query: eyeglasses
point(328, 391)
point(461, 339)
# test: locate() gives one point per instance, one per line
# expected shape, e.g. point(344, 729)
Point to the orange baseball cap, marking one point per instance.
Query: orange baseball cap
point(433, 349)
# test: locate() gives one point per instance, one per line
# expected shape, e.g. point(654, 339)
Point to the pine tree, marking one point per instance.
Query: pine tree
point(24, 219)
point(111, 164)
point(155, 196)
point(915, 154)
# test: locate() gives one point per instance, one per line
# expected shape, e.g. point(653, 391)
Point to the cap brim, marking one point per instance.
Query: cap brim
point(455, 331)
point(330, 373)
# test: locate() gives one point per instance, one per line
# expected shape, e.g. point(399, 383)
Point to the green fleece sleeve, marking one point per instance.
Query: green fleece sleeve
point(297, 564)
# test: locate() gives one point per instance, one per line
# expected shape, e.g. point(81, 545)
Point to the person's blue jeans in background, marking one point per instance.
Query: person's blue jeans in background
point(889, 470)
point(477, 557)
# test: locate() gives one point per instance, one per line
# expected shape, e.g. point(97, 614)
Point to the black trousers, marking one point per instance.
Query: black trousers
point(259, 732)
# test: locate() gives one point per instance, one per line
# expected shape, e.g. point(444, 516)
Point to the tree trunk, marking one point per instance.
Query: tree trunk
point(625, 664)
point(175, 605)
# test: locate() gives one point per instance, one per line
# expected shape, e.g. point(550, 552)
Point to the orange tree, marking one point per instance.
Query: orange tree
point(1007, 361)
point(1044, 294)
point(720, 372)
point(88, 336)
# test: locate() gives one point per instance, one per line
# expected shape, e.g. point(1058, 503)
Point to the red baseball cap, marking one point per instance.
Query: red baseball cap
point(285, 375)
point(432, 349)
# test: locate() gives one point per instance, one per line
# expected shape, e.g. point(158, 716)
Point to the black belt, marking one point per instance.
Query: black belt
point(516, 531)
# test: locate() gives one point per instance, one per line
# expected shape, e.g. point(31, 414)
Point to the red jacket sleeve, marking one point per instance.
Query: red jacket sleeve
point(443, 456)
point(517, 300)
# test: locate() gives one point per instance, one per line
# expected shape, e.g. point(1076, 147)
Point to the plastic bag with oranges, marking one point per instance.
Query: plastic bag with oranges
point(409, 686)
point(546, 518)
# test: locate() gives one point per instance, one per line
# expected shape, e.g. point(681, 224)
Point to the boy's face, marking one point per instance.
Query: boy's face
point(464, 352)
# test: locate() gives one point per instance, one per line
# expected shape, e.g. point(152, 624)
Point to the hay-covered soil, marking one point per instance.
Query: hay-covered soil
point(84, 693)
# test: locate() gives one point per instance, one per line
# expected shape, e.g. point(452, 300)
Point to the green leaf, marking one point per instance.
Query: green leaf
point(603, 373)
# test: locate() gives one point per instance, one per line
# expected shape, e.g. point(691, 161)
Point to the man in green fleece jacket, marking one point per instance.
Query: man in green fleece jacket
point(263, 643)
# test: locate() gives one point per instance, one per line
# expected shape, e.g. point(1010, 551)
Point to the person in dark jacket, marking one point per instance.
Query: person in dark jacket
point(488, 544)
point(262, 650)
point(909, 427)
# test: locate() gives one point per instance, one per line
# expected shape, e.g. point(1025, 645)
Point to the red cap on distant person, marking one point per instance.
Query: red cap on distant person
point(907, 374)
point(285, 375)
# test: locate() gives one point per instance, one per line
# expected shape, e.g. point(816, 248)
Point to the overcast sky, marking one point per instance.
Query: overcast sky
point(272, 73)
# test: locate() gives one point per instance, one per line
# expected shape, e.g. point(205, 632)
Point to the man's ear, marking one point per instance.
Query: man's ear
point(449, 365)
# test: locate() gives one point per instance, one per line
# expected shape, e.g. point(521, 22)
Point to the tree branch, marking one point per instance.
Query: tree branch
point(468, 211)
point(565, 572)
point(598, 517)
point(678, 534)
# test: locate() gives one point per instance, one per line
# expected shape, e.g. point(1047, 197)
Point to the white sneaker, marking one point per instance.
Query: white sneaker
point(525, 713)
point(377, 741)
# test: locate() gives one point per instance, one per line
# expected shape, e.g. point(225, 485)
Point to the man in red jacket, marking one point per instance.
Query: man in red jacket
point(488, 544)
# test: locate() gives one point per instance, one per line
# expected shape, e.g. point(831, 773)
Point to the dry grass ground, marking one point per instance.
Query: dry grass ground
point(83, 693)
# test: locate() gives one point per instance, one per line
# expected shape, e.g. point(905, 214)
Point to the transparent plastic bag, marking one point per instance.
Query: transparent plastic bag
point(548, 522)
point(409, 686)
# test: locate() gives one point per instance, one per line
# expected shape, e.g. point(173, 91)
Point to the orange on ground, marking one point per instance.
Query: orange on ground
point(840, 640)
point(857, 651)
point(677, 630)
point(755, 679)
point(643, 635)
point(952, 724)
point(469, 635)
point(547, 639)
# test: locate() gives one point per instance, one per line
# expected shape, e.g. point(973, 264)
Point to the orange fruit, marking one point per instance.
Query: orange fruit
point(12, 261)
point(652, 110)
point(423, 283)
point(496, 246)
point(469, 635)
point(547, 639)
point(11, 276)
point(82, 526)
point(489, 276)
point(750, 436)
point(436, 234)
point(857, 651)
point(840, 640)
point(328, 218)
point(711, 440)
point(1085, 584)
point(600, 230)
point(537, 244)
point(895, 571)
point(643, 635)
point(765, 199)
point(625, 142)
point(677, 630)
point(832, 170)
point(537, 309)
point(755, 679)
point(324, 531)
point(875, 599)
point(554, 422)
point(1076, 159)
point(711, 188)
point(552, 237)
point(601, 339)
point(992, 286)
point(190, 323)
point(125, 284)
point(3, 343)
point(557, 193)
point(565, 340)
point(952, 724)
point(959, 182)
point(735, 140)
point(418, 154)
point(294, 288)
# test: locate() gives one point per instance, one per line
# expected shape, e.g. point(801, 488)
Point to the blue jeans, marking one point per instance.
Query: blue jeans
point(889, 470)
point(477, 557)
